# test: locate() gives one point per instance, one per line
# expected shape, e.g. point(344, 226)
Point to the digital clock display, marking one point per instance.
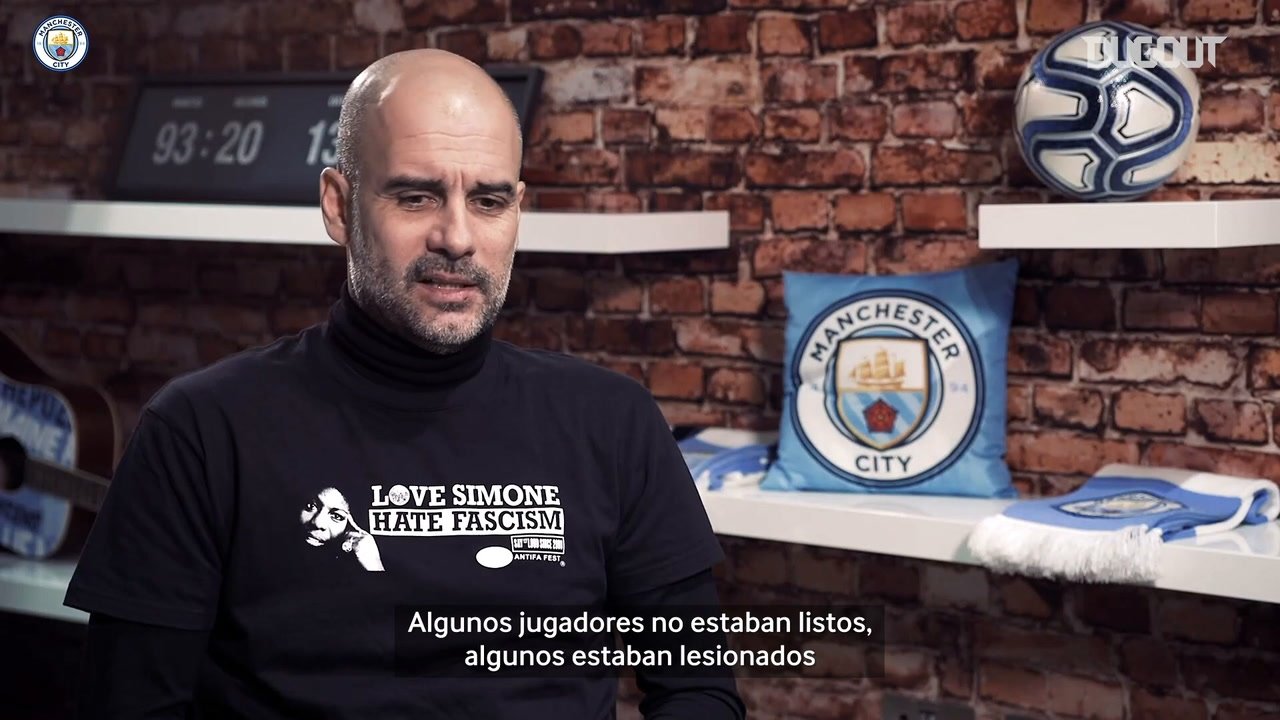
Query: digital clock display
point(248, 140)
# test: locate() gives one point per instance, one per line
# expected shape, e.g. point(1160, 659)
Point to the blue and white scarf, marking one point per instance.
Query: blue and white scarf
point(1111, 528)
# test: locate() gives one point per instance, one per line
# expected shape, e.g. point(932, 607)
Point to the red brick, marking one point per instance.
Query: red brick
point(865, 211)
point(677, 296)
point(1145, 705)
point(620, 336)
point(1218, 11)
point(805, 255)
point(731, 385)
point(665, 36)
point(736, 298)
point(799, 82)
point(1158, 362)
point(849, 121)
point(927, 71)
point(1245, 266)
point(930, 164)
point(986, 115)
point(1051, 16)
point(577, 166)
point(1161, 310)
point(470, 44)
point(508, 45)
point(838, 168)
point(1271, 14)
point(701, 82)
point(1150, 412)
point(577, 126)
point(688, 168)
point(847, 29)
point(1240, 313)
point(888, 578)
point(1231, 111)
point(681, 124)
point(546, 332)
point(1026, 306)
point(861, 74)
point(999, 69)
point(1243, 678)
point(1062, 452)
point(1198, 620)
point(907, 668)
point(554, 42)
point(1264, 368)
point(1149, 661)
point(1229, 421)
point(687, 413)
point(1076, 696)
point(746, 212)
point(1068, 407)
point(1018, 402)
point(986, 19)
point(1229, 462)
point(1012, 686)
point(1029, 597)
point(1001, 641)
point(934, 211)
point(560, 200)
point(783, 35)
point(763, 566)
point(676, 380)
point(731, 125)
point(918, 23)
point(1233, 710)
point(955, 587)
point(722, 34)
point(824, 571)
point(455, 12)
point(929, 118)
point(764, 342)
point(1151, 13)
point(560, 291)
point(616, 294)
point(605, 39)
point(1115, 607)
point(924, 254)
point(792, 210)
point(1031, 354)
point(793, 124)
point(1069, 307)
point(618, 125)
point(614, 202)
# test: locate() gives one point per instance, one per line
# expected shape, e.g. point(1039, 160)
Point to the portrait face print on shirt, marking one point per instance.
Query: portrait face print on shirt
point(327, 524)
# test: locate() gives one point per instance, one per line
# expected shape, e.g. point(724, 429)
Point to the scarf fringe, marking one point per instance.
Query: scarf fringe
point(1008, 545)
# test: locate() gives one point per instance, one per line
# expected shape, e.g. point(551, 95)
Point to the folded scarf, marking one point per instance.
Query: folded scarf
point(1111, 528)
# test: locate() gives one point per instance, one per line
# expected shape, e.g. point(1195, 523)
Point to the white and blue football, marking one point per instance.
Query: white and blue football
point(1105, 126)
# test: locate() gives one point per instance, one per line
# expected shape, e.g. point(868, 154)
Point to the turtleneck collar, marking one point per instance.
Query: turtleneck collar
point(389, 368)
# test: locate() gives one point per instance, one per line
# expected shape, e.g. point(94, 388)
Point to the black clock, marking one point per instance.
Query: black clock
point(246, 138)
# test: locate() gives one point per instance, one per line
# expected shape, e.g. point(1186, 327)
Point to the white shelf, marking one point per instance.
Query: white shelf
point(1244, 563)
point(1117, 225)
point(602, 233)
point(36, 587)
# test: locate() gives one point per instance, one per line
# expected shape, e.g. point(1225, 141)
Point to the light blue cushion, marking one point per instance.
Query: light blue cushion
point(896, 383)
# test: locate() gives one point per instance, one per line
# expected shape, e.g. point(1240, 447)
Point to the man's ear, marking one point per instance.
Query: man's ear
point(334, 200)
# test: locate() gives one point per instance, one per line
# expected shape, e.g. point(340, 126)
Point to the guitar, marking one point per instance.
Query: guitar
point(58, 441)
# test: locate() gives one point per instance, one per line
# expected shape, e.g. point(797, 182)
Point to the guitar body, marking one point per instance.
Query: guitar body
point(66, 423)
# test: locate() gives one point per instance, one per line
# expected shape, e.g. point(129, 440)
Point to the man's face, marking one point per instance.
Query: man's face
point(434, 217)
point(325, 517)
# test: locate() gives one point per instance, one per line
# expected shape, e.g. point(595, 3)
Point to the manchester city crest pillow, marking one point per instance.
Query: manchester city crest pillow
point(896, 383)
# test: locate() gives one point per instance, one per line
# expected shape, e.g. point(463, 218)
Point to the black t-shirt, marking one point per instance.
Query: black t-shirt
point(499, 476)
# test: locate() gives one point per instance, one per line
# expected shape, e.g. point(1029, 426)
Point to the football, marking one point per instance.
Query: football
point(1106, 112)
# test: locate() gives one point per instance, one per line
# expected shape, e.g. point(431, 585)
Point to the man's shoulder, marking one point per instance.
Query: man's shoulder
point(554, 370)
point(251, 373)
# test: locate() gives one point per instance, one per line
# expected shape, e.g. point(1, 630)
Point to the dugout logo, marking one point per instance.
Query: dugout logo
point(887, 388)
point(60, 43)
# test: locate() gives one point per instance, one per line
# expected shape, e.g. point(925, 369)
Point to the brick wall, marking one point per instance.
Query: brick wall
point(854, 137)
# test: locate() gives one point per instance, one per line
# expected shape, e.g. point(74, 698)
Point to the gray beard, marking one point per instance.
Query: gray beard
point(389, 299)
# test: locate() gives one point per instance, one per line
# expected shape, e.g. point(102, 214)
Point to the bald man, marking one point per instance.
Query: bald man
point(434, 467)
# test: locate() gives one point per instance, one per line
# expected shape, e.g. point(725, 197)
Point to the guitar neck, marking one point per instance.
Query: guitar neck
point(80, 488)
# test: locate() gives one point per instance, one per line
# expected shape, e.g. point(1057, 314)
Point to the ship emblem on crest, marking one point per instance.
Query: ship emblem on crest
point(882, 386)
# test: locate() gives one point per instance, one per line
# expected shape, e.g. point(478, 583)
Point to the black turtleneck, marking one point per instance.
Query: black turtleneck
point(387, 368)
